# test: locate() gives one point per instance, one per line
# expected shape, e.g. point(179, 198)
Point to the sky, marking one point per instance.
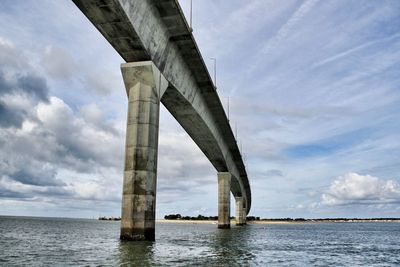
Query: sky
point(313, 88)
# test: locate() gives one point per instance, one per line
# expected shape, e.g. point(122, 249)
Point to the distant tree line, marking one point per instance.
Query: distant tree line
point(254, 218)
point(104, 218)
point(195, 218)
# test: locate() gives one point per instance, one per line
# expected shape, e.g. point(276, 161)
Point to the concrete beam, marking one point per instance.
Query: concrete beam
point(224, 200)
point(143, 86)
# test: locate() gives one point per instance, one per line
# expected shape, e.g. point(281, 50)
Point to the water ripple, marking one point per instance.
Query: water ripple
point(71, 242)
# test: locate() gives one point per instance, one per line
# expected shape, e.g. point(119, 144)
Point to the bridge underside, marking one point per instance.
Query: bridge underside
point(184, 112)
point(155, 33)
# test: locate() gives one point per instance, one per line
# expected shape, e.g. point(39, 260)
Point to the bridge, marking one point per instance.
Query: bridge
point(164, 65)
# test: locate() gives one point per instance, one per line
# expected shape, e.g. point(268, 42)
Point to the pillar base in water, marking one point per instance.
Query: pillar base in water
point(132, 235)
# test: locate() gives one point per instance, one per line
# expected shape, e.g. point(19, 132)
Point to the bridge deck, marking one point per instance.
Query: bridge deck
point(129, 26)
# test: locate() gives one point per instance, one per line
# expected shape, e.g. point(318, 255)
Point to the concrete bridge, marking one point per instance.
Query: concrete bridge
point(164, 65)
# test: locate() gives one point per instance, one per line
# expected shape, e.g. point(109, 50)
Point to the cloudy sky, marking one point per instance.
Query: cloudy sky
point(314, 89)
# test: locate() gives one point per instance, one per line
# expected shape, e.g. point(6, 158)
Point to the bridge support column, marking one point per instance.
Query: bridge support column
point(224, 200)
point(244, 213)
point(239, 211)
point(140, 173)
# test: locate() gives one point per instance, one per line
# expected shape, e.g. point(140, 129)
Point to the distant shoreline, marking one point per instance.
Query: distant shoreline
point(309, 221)
point(205, 221)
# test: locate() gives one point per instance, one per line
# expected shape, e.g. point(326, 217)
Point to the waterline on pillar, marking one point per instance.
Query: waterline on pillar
point(147, 234)
point(224, 226)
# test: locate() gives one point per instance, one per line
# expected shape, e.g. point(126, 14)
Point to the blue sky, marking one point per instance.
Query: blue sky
point(313, 89)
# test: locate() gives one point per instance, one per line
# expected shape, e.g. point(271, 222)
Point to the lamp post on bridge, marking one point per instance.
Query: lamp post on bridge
point(191, 15)
point(215, 72)
point(236, 132)
point(228, 108)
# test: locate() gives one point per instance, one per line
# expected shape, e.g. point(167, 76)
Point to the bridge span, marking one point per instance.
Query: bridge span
point(165, 65)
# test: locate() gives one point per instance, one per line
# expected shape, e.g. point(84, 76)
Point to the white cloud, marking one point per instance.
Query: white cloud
point(8, 53)
point(102, 81)
point(353, 50)
point(92, 113)
point(353, 188)
point(53, 138)
point(289, 25)
point(58, 62)
point(55, 114)
point(83, 141)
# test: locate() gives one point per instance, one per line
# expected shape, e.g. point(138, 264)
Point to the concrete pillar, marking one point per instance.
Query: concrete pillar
point(244, 213)
point(141, 146)
point(239, 211)
point(224, 199)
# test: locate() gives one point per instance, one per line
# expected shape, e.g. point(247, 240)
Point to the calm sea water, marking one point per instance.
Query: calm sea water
point(76, 242)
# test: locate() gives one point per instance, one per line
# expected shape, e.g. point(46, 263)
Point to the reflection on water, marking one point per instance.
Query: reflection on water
point(136, 253)
point(203, 245)
point(69, 242)
point(232, 246)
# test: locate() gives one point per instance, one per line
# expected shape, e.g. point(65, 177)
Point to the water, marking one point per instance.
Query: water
point(76, 242)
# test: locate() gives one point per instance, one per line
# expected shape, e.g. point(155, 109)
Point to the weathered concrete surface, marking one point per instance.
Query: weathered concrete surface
point(224, 200)
point(156, 30)
point(239, 211)
point(244, 213)
point(144, 88)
